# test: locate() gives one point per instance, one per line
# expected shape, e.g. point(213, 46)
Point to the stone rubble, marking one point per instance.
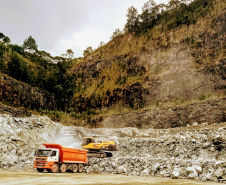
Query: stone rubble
point(191, 153)
point(20, 137)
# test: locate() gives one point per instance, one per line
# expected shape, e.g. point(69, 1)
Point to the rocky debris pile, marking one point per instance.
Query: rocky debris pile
point(204, 143)
point(195, 154)
point(20, 137)
point(211, 170)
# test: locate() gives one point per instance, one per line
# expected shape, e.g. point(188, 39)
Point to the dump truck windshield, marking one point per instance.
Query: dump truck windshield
point(43, 153)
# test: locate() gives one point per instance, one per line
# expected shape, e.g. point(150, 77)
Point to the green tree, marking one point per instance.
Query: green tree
point(149, 15)
point(1, 35)
point(30, 44)
point(87, 51)
point(132, 20)
point(101, 44)
point(16, 48)
point(4, 38)
point(173, 4)
point(69, 53)
point(41, 78)
point(149, 6)
point(116, 33)
point(16, 66)
point(3, 49)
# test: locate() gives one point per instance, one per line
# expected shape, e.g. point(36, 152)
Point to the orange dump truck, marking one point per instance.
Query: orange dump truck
point(56, 158)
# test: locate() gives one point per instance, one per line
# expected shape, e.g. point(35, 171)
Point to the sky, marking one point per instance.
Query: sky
point(58, 25)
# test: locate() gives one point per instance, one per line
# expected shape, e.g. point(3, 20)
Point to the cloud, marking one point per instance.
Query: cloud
point(46, 20)
point(58, 25)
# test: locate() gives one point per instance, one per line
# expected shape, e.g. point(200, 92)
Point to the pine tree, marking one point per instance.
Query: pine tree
point(132, 24)
point(30, 44)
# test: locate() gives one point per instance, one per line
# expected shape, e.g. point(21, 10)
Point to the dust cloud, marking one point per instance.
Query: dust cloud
point(68, 137)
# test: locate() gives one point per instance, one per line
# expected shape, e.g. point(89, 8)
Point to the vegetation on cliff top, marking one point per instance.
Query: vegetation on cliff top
point(172, 15)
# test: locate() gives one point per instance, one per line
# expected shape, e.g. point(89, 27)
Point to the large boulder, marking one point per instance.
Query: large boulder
point(120, 169)
point(176, 173)
point(145, 173)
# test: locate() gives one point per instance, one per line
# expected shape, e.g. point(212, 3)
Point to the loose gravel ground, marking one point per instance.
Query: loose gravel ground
point(9, 177)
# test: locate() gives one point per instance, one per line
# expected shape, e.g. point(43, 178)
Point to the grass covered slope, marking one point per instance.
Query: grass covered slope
point(179, 63)
point(173, 55)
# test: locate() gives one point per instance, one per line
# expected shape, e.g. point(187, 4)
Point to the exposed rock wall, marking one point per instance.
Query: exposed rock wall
point(211, 111)
point(18, 93)
point(20, 137)
point(13, 111)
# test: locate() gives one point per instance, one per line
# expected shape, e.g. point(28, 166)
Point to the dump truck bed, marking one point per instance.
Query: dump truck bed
point(69, 155)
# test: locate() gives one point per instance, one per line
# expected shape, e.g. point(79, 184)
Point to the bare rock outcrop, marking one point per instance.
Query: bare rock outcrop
point(20, 137)
point(210, 111)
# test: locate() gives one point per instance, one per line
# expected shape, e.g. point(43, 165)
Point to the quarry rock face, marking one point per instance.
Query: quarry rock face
point(20, 137)
point(193, 153)
point(206, 112)
point(18, 93)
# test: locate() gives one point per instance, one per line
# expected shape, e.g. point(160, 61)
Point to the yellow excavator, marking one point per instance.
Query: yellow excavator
point(100, 149)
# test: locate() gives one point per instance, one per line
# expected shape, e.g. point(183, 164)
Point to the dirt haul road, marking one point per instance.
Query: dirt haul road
point(8, 177)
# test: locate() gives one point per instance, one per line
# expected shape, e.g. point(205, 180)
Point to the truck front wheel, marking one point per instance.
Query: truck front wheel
point(63, 168)
point(54, 168)
point(40, 169)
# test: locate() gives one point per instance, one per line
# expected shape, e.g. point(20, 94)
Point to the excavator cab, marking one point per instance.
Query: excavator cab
point(87, 140)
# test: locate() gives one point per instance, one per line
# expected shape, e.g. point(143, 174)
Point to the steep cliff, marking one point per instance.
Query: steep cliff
point(19, 94)
point(156, 70)
point(173, 68)
point(160, 66)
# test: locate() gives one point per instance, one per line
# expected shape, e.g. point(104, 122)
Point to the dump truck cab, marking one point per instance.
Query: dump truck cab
point(45, 158)
point(50, 154)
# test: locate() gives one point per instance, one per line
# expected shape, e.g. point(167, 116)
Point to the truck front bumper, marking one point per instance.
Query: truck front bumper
point(43, 164)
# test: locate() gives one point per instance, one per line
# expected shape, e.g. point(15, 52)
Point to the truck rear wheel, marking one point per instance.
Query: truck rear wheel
point(63, 168)
point(40, 169)
point(80, 168)
point(74, 168)
point(54, 168)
